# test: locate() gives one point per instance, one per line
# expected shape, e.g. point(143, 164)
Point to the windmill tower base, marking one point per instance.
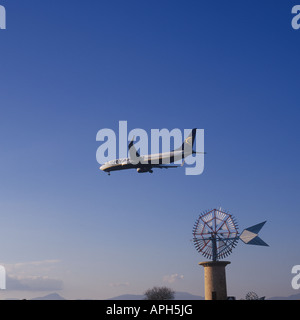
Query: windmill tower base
point(215, 279)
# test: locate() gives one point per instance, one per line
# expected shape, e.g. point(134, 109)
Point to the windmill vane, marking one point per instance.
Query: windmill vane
point(215, 234)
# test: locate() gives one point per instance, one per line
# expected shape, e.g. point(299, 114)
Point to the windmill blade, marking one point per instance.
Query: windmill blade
point(250, 235)
point(215, 234)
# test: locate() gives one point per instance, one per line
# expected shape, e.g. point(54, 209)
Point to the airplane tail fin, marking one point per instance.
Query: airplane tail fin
point(188, 143)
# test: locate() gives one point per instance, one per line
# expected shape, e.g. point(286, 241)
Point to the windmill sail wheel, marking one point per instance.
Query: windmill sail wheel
point(215, 234)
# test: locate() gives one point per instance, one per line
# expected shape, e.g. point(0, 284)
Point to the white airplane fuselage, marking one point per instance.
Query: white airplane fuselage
point(144, 161)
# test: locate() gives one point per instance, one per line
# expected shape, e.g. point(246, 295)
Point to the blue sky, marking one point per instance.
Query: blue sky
point(71, 68)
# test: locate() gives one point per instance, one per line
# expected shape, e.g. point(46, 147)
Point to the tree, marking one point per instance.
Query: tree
point(159, 293)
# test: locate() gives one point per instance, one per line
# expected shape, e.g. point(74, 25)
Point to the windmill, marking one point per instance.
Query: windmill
point(215, 234)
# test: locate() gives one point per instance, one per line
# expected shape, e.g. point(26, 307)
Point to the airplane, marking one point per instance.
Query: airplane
point(147, 162)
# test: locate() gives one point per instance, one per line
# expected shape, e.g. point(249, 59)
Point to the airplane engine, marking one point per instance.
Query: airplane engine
point(142, 170)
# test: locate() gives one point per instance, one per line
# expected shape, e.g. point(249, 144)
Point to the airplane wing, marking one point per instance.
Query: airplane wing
point(161, 166)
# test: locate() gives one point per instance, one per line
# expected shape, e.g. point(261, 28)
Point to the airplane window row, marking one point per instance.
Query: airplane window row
point(119, 161)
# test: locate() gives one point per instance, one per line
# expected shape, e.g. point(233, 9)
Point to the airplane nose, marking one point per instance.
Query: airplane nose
point(102, 167)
